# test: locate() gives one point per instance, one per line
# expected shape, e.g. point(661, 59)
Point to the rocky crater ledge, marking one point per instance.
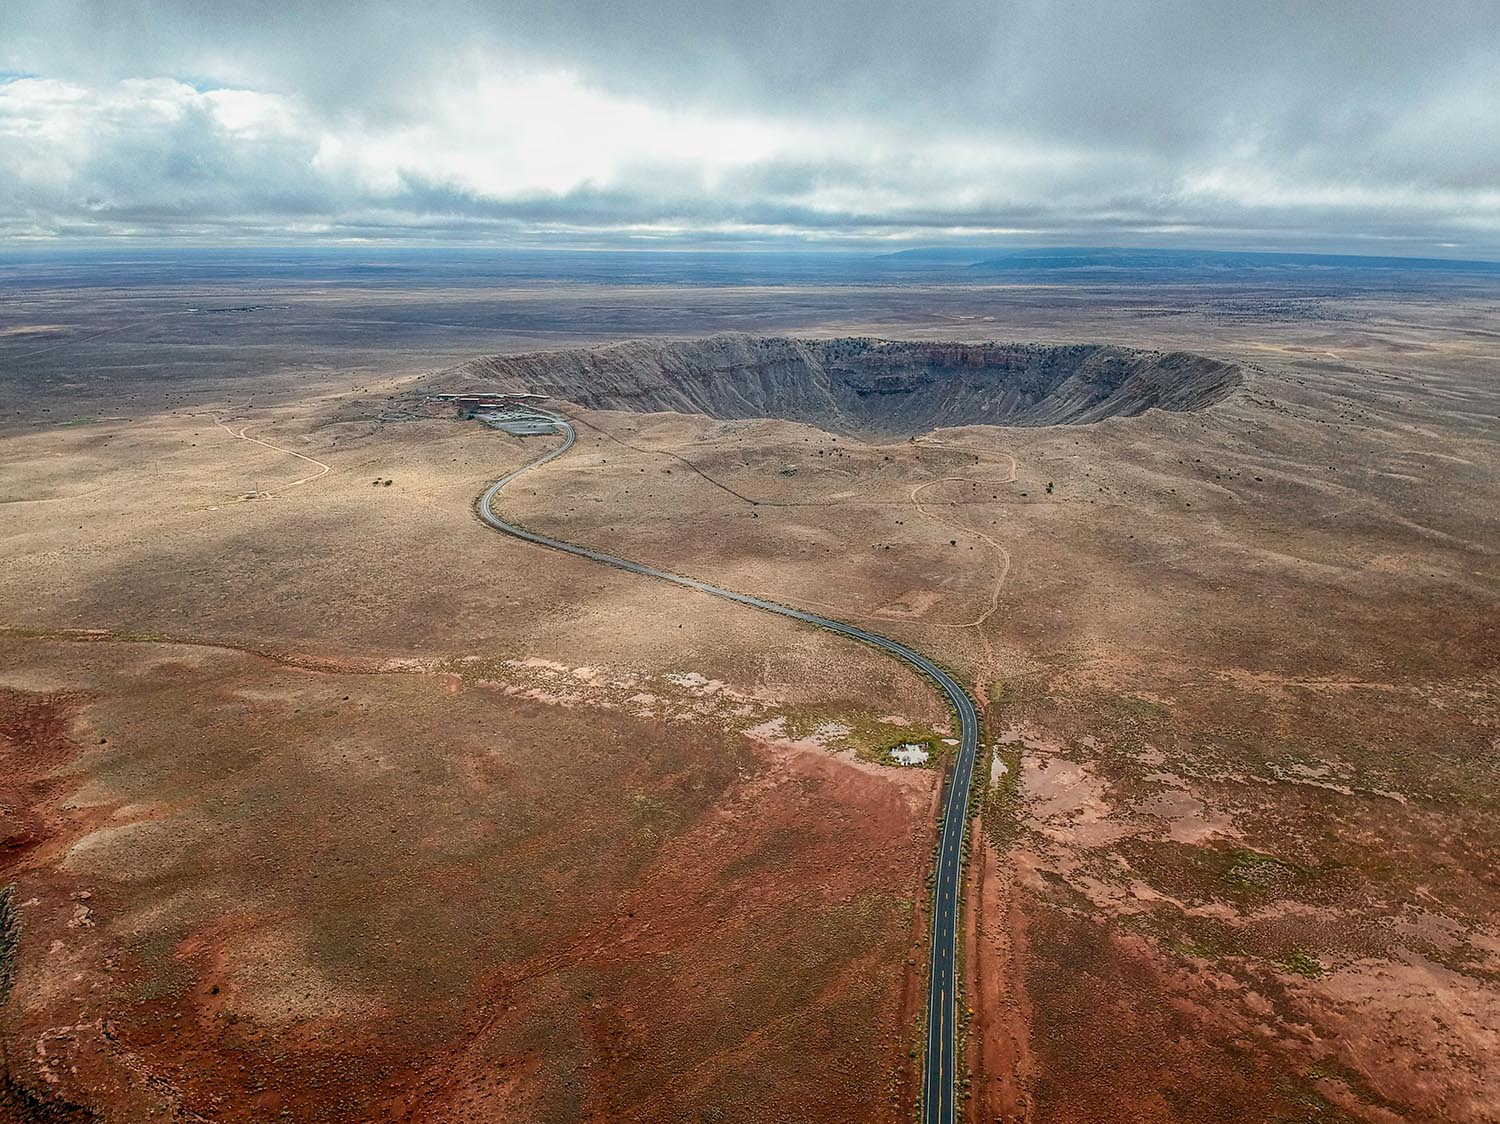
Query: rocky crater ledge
point(866, 387)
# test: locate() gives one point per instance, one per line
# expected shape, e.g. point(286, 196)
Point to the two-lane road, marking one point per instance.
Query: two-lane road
point(939, 1071)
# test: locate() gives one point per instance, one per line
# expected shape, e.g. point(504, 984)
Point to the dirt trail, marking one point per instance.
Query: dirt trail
point(244, 435)
point(1001, 553)
point(333, 665)
point(983, 673)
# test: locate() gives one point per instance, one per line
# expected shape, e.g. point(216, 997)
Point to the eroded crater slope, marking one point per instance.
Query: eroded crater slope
point(871, 387)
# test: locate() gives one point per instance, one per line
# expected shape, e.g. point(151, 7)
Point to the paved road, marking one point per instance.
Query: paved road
point(940, 1066)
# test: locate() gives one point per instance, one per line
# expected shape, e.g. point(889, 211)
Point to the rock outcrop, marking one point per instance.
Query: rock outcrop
point(870, 387)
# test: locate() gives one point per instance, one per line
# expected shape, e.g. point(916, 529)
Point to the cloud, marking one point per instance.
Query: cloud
point(1279, 124)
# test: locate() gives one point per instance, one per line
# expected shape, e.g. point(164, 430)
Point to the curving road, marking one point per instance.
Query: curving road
point(939, 1070)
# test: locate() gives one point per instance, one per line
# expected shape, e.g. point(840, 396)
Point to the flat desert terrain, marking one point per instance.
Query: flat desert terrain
point(321, 801)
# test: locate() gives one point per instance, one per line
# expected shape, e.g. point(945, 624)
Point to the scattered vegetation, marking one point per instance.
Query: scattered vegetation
point(1303, 963)
point(1002, 799)
point(26, 1105)
point(10, 939)
point(867, 737)
point(1219, 871)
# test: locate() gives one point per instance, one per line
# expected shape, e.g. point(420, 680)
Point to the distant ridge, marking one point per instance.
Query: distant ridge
point(1099, 258)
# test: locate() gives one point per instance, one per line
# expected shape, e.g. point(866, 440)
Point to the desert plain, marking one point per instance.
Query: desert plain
point(320, 801)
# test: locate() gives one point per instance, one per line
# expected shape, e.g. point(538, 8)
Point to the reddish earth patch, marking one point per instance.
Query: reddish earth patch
point(1232, 901)
point(34, 746)
point(1001, 1067)
point(40, 908)
point(282, 892)
point(689, 999)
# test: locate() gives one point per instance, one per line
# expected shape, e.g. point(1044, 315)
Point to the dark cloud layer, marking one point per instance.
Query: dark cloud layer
point(1366, 125)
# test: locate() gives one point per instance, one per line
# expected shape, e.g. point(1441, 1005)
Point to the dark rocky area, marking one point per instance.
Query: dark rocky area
point(871, 387)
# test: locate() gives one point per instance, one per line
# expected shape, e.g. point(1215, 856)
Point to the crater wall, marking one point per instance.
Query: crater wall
point(869, 387)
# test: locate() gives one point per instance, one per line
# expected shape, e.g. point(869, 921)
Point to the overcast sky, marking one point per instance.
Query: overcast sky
point(1369, 126)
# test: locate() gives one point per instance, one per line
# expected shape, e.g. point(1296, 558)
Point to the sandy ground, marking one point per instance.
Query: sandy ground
point(322, 800)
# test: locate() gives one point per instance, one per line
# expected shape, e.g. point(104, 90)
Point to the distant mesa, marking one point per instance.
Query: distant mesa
point(865, 387)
